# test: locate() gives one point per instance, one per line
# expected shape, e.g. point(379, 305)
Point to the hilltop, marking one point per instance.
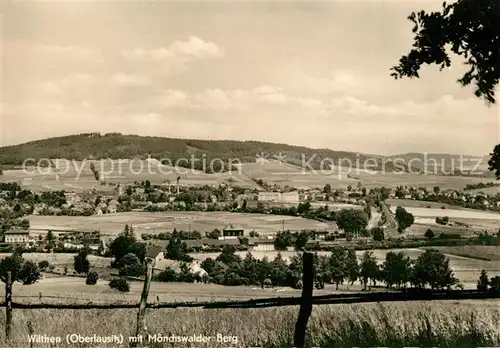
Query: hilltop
point(117, 146)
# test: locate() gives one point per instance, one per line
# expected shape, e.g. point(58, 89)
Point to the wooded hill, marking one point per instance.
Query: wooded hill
point(119, 146)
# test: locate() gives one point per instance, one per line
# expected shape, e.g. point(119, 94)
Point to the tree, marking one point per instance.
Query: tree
point(22, 271)
point(228, 256)
point(92, 278)
point(403, 218)
point(368, 211)
point(119, 284)
point(436, 189)
point(168, 275)
point(29, 273)
point(432, 268)
point(483, 281)
point(495, 285)
point(368, 268)
point(338, 266)
point(470, 29)
point(43, 265)
point(81, 264)
point(283, 240)
point(301, 240)
point(352, 221)
point(351, 266)
point(304, 208)
point(396, 269)
point(377, 233)
point(429, 234)
point(494, 162)
point(126, 243)
point(129, 260)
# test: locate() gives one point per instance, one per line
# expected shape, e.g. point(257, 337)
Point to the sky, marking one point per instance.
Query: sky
point(315, 74)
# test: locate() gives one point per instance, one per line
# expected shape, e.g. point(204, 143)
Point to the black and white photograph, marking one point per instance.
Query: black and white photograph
point(250, 173)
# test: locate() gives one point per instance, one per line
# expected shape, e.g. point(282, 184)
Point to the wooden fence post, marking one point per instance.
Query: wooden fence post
point(141, 322)
point(306, 300)
point(8, 306)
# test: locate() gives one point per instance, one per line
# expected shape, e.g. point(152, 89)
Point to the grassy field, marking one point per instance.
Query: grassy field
point(368, 325)
point(78, 176)
point(158, 222)
point(410, 203)
point(479, 252)
point(451, 213)
point(418, 229)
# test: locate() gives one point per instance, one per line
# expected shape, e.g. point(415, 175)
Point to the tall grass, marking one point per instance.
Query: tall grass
point(436, 324)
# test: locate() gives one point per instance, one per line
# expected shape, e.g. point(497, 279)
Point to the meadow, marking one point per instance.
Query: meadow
point(409, 324)
point(451, 213)
point(161, 222)
point(479, 252)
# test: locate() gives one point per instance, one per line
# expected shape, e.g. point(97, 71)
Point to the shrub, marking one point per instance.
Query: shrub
point(429, 234)
point(495, 285)
point(135, 270)
point(120, 284)
point(167, 275)
point(43, 265)
point(92, 278)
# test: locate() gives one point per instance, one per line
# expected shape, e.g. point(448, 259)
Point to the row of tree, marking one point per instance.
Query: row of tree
point(431, 269)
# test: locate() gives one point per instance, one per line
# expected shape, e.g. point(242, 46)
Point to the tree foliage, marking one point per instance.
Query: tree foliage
point(470, 29)
point(352, 221)
point(432, 269)
point(92, 278)
point(494, 161)
point(120, 284)
point(81, 263)
point(483, 282)
point(25, 272)
point(403, 218)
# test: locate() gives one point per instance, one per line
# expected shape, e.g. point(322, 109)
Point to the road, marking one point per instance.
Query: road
point(391, 225)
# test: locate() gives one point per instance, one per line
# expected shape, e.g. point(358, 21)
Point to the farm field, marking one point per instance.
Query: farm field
point(411, 203)
point(449, 324)
point(480, 252)
point(157, 222)
point(451, 213)
point(418, 229)
point(76, 175)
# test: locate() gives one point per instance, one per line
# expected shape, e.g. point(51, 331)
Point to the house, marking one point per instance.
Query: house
point(17, 236)
point(290, 197)
point(155, 253)
point(261, 244)
point(233, 231)
point(269, 196)
point(320, 235)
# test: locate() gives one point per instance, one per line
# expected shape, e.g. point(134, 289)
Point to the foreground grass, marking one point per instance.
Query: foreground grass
point(438, 324)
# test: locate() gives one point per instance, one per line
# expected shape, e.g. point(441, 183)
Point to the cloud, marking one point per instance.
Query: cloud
point(68, 51)
point(179, 51)
point(172, 98)
point(129, 80)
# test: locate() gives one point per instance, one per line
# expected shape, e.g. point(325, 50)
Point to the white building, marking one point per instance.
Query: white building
point(269, 196)
point(17, 236)
point(290, 197)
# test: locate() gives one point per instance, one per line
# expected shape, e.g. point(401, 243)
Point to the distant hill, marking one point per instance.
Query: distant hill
point(444, 164)
point(118, 146)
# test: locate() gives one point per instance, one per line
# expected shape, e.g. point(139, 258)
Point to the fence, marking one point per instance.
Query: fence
point(306, 301)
